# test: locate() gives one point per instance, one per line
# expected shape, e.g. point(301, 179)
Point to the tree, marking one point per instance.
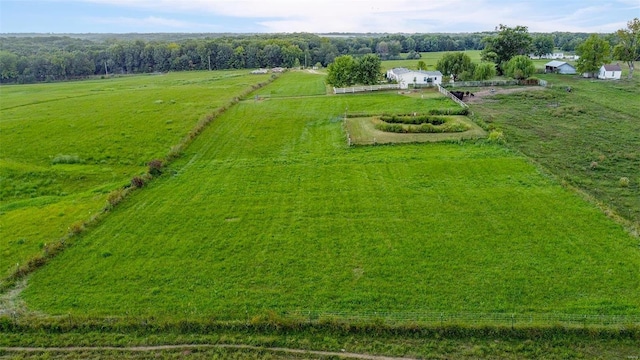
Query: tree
point(542, 45)
point(508, 43)
point(520, 67)
point(484, 71)
point(345, 71)
point(367, 70)
point(628, 48)
point(422, 65)
point(340, 72)
point(382, 49)
point(594, 52)
point(413, 55)
point(394, 48)
point(8, 66)
point(455, 64)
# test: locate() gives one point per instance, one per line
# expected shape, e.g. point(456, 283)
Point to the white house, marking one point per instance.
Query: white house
point(610, 71)
point(548, 56)
point(560, 67)
point(406, 77)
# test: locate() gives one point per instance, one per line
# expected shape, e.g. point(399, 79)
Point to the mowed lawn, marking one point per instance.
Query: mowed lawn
point(270, 210)
point(64, 146)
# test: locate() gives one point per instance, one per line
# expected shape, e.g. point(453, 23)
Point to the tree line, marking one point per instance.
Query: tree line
point(27, 59)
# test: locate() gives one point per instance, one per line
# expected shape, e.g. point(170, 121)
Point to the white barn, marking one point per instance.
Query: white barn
point(610, 71)
point(406, 77)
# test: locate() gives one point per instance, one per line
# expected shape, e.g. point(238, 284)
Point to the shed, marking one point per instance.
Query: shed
point(560, 67)
point(406, 77)
point(610, 71)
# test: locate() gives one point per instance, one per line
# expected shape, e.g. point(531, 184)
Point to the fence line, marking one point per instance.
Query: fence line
point(483, 83)
point(451, 96)
point(511, 319)
point(355, 89)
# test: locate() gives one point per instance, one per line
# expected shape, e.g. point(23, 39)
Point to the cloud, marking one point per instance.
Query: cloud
point(151, 22)
point(389, 16)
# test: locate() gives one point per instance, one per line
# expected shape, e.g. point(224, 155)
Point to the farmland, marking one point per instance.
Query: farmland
point(65, 146)
point(270, 213)
point(588, 137)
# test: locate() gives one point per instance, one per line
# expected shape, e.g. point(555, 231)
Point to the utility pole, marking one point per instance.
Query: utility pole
point(209, 62)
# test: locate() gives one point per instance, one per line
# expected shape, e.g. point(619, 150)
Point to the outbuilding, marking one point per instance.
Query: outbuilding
point(610, 71)
point(560, 67)
point(405, 77)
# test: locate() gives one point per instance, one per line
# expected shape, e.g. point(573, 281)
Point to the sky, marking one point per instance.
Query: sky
point(317, 16)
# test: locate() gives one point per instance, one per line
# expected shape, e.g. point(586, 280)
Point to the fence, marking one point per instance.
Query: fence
point(495, 319)
point(496, 83)
point(450, 95)
point(483, 83)
point(356, 89)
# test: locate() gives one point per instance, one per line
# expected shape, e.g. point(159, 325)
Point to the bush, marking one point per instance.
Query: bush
point(155, 167)
point(66, 159)
point(115, 197)
point(423, 128)
point(137, 182)
point(496, 136)
point(457, 111)
point(415, 120)
point(624, 181)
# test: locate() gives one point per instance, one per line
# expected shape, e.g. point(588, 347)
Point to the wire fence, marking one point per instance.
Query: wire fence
point(469, 318)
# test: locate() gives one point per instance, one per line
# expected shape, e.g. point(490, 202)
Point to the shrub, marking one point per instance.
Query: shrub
point(624, 181)
point(395, 128)
point(155, 167)
point(496, 136)
point(76, 228)
point(411, 119)
point(137, 182)
point(115, 197)
point(457, 111)
point(66, 159)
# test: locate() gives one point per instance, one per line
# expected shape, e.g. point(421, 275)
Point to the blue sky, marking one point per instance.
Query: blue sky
point(318, 16)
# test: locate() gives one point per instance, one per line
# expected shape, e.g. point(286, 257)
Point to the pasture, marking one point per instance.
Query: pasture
point(269, 211)
point(430, 58)
point(65, 146)
point(589, 137)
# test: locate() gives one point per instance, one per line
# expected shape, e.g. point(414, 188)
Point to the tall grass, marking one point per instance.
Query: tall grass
point(107, 157)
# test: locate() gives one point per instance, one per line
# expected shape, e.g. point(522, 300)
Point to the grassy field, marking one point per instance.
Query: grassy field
point(270, 210)
point(275, 345)
point(66, 145)
point(430, 58)
point(589, 138)
point(362, 131)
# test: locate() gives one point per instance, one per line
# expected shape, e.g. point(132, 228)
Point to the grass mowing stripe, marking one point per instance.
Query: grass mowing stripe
point(103, 132)
point(275, 213)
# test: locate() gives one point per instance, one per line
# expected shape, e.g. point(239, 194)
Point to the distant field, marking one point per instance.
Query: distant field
point(430, 58)
point(270, 210)
point(66, 145)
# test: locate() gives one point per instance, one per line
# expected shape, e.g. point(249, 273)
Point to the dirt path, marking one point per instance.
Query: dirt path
point(10, 302)
point(341, 354)
point(480, 96)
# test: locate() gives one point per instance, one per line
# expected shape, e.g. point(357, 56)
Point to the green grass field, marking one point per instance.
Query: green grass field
point(589, 138)
point(430, 58)
point(64, 146)
point(270, 210)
